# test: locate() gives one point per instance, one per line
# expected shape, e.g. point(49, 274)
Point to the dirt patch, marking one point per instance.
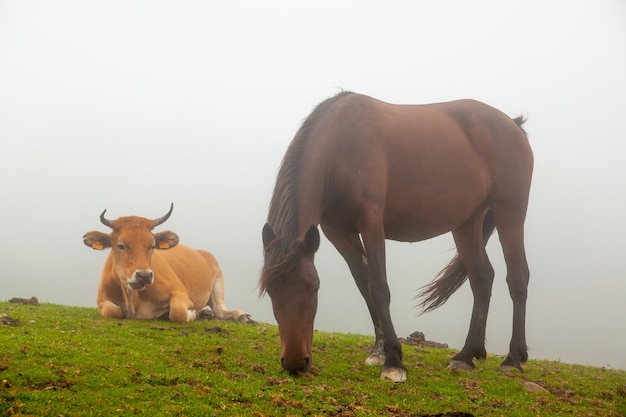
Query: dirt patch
point(418, 339)
point(33, 301)
point(216, 329)
point(8, 321)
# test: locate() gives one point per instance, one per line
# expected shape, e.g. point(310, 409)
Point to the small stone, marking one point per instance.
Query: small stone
point(534, 388)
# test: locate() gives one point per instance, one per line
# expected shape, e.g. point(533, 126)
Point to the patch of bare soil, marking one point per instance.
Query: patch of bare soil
point(31, 301)
point(215, 329)
point(8, 321)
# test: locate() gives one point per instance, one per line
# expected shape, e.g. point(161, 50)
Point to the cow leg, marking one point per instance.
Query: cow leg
point(216, 302)
point(181, 309)
point(110, 310)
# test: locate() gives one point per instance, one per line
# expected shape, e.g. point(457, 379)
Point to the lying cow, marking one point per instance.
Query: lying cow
point(150, 275)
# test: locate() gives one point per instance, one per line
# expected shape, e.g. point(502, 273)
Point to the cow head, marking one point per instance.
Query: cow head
point(132, 243)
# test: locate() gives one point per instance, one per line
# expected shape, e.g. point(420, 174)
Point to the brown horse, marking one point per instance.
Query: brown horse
point(367, 171)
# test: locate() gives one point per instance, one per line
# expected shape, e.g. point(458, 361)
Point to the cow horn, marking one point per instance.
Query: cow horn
point(164, 218)
point(106, 221)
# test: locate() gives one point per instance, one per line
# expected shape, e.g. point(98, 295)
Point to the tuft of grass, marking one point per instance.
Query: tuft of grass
point(69, 361)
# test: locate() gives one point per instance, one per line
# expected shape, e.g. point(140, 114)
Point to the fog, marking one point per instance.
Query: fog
point(128, 106)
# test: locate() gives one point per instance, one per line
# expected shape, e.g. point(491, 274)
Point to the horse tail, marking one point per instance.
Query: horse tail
point(519, 121)
point(450, 279)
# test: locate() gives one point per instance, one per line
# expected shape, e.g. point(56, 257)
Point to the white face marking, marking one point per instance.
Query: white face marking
point(364, 259)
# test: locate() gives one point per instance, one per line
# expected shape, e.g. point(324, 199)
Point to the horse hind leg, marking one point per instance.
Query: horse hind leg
point(518, 289)
point(510, 225)
point(470, 245)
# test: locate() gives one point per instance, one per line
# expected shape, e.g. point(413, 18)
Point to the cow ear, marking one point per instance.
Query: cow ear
point(311, 241)
point(97, 240)
point(165, 240)
point(268, 235)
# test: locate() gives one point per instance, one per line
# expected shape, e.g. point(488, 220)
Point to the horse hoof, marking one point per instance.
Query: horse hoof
point(456, 365)
point(375, 359)
point(393, 375)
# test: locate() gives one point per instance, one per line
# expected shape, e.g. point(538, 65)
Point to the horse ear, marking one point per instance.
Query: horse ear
point(268, 235)
point(311, 241)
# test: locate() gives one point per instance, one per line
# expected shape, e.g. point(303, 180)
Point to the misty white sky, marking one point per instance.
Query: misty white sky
point(129, 106)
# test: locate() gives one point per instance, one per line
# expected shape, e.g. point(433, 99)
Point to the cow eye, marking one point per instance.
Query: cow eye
point(121, 247)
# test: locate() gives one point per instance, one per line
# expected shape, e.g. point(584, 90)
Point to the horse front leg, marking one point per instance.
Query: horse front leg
point(351, 248)
point(374, 242)
point(361, 277)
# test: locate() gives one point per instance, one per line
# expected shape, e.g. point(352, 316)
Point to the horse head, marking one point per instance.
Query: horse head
point(292, 283)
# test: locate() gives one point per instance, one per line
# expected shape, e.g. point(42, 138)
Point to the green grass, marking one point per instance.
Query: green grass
point(68, 361)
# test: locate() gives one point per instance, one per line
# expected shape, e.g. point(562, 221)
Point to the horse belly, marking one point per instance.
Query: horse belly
point(433, 208)
point(414, 229)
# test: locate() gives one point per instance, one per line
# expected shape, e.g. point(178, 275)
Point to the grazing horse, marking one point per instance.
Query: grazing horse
point(367, 171)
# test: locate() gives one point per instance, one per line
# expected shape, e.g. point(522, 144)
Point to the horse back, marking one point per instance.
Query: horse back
point(427, 168)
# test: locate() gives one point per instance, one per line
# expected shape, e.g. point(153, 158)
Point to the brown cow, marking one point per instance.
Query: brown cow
point(150, 275)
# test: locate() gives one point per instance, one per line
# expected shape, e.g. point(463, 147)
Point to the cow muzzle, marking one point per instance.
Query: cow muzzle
point(141, 279)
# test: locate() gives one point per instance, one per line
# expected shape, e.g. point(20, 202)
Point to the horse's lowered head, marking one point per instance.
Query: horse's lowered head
point(290, 279)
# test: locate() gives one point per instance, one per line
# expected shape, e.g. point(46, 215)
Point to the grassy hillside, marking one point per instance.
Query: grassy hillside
point(68, 361)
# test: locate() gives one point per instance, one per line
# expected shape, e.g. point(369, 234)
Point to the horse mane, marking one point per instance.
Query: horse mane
point(280, 254)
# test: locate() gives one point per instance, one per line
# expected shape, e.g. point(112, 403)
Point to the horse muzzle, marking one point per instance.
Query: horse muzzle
point(296, 366)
